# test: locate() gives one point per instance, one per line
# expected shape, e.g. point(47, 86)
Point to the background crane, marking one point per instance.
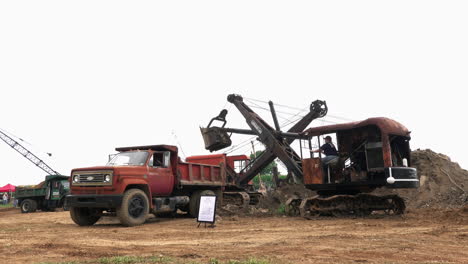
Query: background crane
point(27, 154)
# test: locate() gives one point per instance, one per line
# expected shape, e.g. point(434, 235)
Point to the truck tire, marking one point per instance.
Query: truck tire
point(28, 206)
point(83, 216)
point(134, 208)
point(194, 203)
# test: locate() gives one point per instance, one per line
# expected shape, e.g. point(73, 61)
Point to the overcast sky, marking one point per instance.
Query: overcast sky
point(79, 78)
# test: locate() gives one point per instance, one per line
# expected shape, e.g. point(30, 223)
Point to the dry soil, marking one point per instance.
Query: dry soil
point(420, 236)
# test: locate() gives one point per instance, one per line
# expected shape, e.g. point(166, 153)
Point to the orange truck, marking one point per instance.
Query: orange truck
point(147, 179)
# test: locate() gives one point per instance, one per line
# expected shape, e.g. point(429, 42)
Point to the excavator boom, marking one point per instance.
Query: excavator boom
point(276, 142)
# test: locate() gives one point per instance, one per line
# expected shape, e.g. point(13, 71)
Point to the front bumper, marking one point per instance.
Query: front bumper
point(404, 177)
point(94, 200)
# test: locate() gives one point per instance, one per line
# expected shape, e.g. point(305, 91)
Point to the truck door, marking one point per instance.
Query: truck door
point(160, 176)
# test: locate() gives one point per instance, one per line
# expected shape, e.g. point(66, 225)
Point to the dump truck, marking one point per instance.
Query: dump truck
point(146, 179)
point(46, 196)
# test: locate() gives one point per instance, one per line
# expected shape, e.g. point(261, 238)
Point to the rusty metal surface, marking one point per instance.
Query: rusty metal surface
point(313, 172)
point(215, 138)
point(200, 174)
point(386, 125)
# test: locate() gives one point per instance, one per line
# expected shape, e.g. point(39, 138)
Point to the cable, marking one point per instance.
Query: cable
point(268, 109)
point(178, 143)
point(280, 105)
point(240, 145)
point(286, 122)
point(296, 108)
point(247, 148)
point(36, 150)
point(297, 114)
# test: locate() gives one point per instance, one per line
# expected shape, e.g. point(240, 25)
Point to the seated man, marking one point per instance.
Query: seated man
point(329, 149)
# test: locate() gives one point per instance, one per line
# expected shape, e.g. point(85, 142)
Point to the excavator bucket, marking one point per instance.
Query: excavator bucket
point(215, 138)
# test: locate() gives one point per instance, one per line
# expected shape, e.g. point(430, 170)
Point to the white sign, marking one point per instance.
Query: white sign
point(207, 209)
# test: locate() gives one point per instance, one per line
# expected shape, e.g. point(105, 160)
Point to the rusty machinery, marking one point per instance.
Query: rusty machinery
point(373, 153)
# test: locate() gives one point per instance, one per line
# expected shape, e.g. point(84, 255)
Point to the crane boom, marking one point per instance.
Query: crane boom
point(276, 146)
point(27, 154)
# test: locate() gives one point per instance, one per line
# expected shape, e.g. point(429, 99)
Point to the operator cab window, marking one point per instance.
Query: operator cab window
point(160, 159)
point(320, 142)
point(239, 165)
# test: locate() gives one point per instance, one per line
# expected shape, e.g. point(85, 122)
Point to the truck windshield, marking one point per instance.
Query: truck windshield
point(131, 158)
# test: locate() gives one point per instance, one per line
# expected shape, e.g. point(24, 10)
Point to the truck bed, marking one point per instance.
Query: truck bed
point(201, 174)
point(29, 192)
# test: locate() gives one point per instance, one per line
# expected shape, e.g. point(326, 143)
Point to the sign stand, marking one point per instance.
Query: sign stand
point(207, 210)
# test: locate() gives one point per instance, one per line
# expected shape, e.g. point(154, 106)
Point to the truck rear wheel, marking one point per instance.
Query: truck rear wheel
point(194, 203)
point(83, 216)
point(28, 206)
point(134, 208)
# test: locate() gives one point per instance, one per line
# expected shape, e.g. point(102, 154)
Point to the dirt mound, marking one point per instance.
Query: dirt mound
point(271, 203)
point(444, 184)
point(275, 198)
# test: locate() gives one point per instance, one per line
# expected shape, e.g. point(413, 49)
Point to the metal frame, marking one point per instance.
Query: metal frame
point(27, 154)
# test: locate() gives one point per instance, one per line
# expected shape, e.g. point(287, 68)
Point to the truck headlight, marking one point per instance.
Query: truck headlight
point(76, 178)
point(107, 178)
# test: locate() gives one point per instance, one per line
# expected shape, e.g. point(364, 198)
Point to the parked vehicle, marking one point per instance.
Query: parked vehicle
point(46, 196)
point(142, 180)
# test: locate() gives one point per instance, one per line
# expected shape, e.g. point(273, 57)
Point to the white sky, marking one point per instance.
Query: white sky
point(79, 78)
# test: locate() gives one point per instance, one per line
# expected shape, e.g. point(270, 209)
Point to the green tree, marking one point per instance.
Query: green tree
point(268, 170)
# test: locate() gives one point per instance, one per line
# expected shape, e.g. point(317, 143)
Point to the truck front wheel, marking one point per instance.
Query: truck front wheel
point(194, 203)
point(134, 208)
point(28, 206)
point(83, 216)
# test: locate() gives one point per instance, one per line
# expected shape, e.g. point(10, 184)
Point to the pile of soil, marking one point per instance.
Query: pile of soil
point(443, 183)
point(272, 202)
point(275, 199)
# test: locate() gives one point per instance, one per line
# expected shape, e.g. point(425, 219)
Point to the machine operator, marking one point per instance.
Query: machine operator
point(329, 149)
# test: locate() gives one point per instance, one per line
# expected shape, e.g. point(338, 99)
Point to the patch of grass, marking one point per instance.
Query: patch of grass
point(281, 209)
point(73, 262)
point(133, 259)
point(158, 260)
point(267, 179)
point(6, 205)
point(249, 261)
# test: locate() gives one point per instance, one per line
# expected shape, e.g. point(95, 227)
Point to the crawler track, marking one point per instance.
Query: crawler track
point(337, 205)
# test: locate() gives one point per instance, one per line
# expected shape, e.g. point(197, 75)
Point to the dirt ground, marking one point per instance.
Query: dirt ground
point(421, 236)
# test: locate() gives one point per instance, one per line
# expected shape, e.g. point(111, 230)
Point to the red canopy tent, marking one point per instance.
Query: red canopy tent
point(8, 188)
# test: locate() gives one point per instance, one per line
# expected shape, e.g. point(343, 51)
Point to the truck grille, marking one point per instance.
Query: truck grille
point(91, 178)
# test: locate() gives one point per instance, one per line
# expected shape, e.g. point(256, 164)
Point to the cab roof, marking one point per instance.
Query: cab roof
point(150, 147)
point(386, 125)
